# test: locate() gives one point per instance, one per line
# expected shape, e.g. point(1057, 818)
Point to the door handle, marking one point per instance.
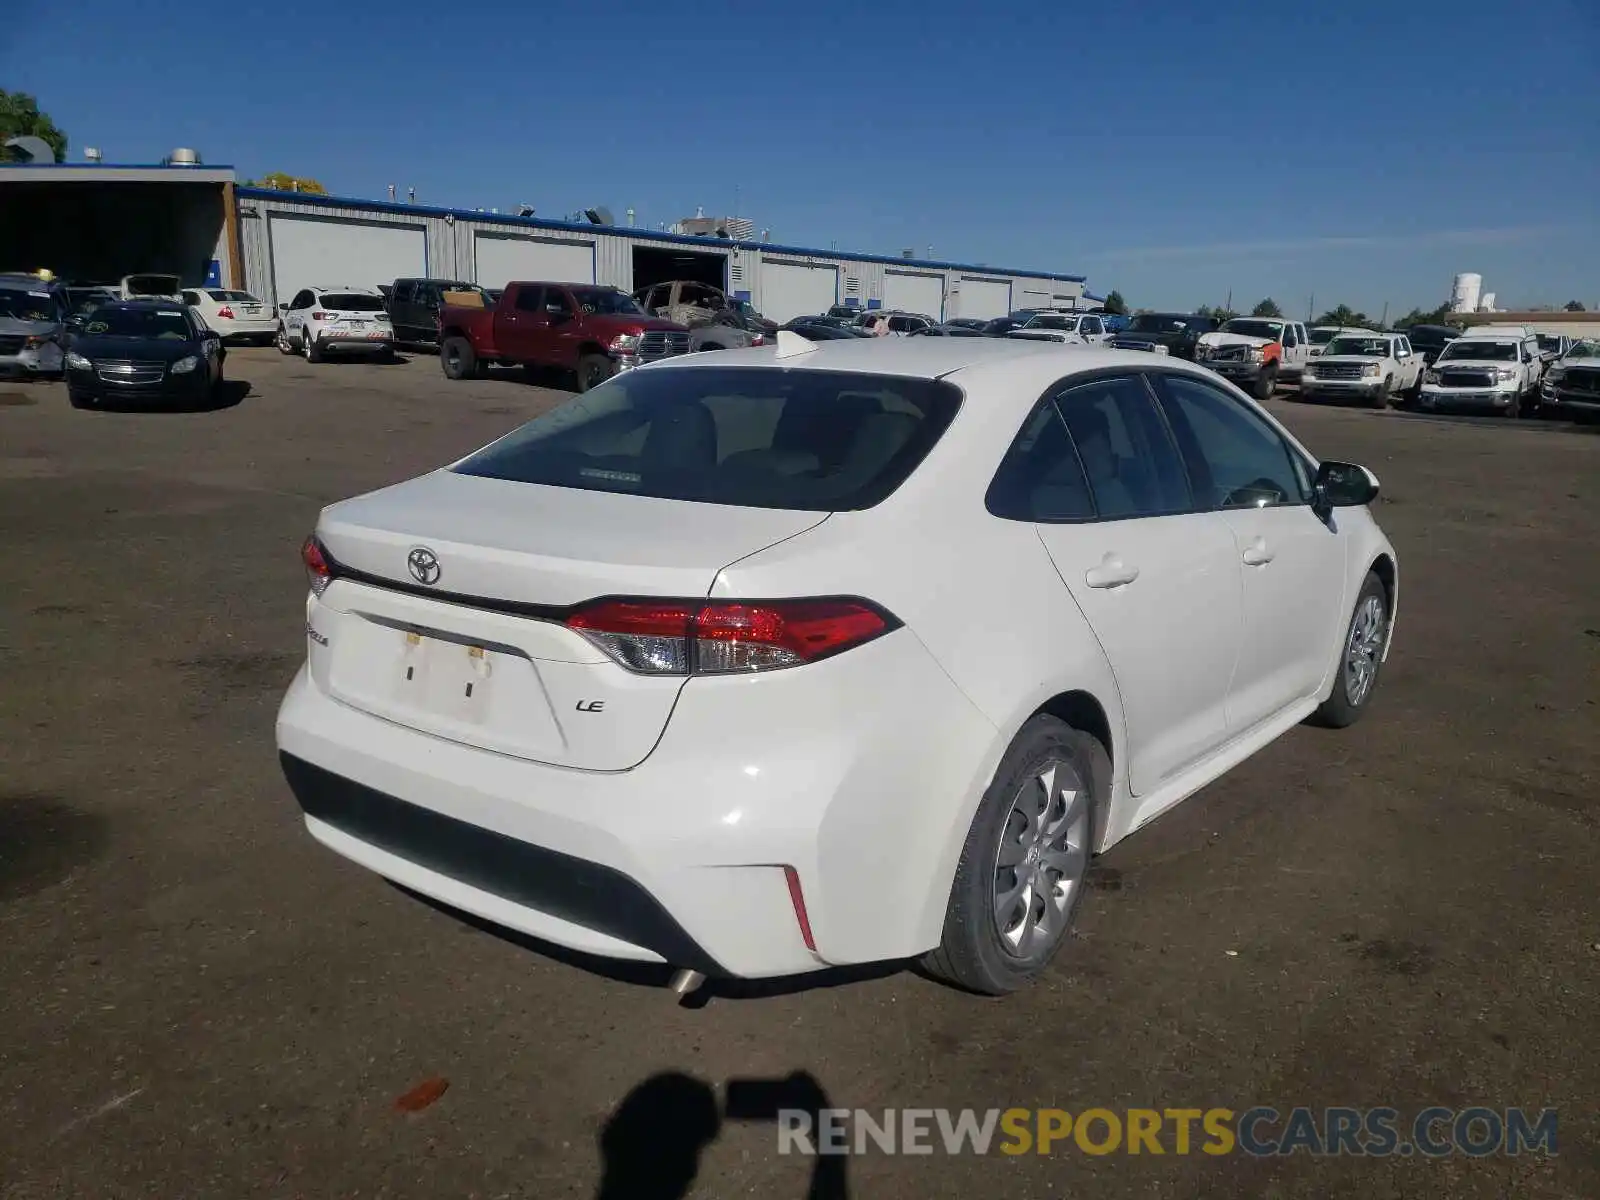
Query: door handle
point(1110, 573)
point(1258, 553)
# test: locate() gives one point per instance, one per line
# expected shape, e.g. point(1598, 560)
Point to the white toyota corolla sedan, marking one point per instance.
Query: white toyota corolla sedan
point(778, 659)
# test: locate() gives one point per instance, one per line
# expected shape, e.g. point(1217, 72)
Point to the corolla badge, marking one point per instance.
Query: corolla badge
point(423, 565)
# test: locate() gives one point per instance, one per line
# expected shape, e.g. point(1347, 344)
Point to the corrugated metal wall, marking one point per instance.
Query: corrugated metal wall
point(450, 240)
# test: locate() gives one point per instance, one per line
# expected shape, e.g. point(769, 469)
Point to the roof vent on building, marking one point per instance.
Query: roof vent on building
point(183, 157)
point(91, 154)
point(32, 149)
point(909, 252)
point(599, 216)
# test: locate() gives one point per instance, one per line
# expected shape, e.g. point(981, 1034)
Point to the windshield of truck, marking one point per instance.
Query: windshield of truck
point(1271, 330)
point(1363, 347)
point(1051, 321)
point(20, 304)
point(167, 324)
point(1168, 323)
point(352, 302)
point(819, 441)
point(153, 285)
point(1478, 350)
point(606, 302)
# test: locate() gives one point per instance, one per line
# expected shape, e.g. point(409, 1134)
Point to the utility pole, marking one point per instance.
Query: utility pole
point(1228, 307)
point(1383, 321)
point(1311, 307)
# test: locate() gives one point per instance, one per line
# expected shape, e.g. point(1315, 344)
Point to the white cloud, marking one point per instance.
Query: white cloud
point(1289, 246)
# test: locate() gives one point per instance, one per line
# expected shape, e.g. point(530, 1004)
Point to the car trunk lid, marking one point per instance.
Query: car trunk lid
point(446, 610)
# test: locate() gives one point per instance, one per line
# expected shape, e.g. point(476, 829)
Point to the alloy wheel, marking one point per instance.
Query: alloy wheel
point(1364, 648)
point(1042, 859)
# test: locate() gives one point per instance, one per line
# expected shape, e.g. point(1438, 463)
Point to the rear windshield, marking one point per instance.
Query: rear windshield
point(235, 297)
point(19, 305)
point(352, 302)
point(167, 324)
point(822, 441)
point(153, 285)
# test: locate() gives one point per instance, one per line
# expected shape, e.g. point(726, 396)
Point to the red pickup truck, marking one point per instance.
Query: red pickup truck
point(591, 331)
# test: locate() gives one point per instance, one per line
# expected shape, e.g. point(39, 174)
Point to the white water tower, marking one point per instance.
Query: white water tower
point(1487, 303)
point(1464, 293)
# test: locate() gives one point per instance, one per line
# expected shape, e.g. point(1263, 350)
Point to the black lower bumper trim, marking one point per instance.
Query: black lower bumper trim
point(573, 889)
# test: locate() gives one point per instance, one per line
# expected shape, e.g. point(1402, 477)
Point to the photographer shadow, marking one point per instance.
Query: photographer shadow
point(651, 1144)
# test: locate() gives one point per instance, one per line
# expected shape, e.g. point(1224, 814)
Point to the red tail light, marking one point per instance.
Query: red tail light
point(318, 569)
point(225, 311)
point(319, 316)
point(719, 637)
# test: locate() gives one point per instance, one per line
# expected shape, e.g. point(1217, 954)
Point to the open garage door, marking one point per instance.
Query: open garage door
point(327, 251)
point(985, 299)
point(914, 292)
point(499, 258)
point(796, 289)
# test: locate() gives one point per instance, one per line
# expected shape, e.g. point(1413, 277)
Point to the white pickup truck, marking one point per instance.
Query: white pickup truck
point(1366, 365)
point(1256, 352)
point(1487, 367)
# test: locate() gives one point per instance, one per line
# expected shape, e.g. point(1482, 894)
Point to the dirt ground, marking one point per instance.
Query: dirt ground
point(199, 1001)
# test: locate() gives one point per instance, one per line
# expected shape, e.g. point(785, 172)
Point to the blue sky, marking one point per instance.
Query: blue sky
point(1363, 152)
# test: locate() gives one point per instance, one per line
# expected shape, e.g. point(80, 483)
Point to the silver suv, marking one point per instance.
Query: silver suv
point(32, 311)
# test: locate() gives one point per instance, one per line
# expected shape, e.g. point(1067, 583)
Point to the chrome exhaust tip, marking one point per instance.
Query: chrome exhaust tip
point(685, 981)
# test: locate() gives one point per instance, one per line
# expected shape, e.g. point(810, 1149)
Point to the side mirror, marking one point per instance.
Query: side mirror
point(284, 306)
point(1342, 485)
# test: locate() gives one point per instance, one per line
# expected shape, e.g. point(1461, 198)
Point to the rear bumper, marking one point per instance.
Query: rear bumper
point(860, 776)
point(355, 343)
point(246, 327)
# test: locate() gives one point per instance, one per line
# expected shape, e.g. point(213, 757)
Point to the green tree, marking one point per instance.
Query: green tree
point(20, 117)
point(1115, 304)
point(1267, 308)
point(1571, 306)
point(1345, 316)
point(279, 182)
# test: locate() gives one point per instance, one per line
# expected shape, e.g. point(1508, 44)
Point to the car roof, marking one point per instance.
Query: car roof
point(358, 289)
point(1504, 333)
point(1004, 362)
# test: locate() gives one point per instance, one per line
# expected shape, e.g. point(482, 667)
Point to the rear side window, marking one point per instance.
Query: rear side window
point(822, 441)
point(352, 302)
point(1040, 478)
point(1130, 461)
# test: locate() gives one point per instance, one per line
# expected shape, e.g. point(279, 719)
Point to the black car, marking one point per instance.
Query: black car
point(1428, 340)
point(141, 352)
point(1175, 334)
point(817, 329)
point(1002, 326)
point(414, 303)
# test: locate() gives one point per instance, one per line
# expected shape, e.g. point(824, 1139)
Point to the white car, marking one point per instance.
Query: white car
point(772, 660)
point(234, 315)
point(1088, 327)
point(1035, 333)
point(1374, 367)
point(343, 320)
point(1497, 369)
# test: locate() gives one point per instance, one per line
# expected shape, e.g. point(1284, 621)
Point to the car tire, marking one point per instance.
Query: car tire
point(593, 370)
point(1386, 395)
point(79, 401)
point(1266, 384)
point(457, 360)
point(285, 346)
point(312, 347)
point(1042, 811)
point(1360, 657)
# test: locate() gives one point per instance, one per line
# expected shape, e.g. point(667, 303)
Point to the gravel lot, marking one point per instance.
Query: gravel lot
point(198, 1001)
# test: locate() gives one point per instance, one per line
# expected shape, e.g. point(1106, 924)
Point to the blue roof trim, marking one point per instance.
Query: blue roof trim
point(252, 193)
point(103, 166)
point(1088, 295)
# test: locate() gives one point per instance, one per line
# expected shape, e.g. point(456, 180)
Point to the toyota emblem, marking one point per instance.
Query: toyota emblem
point(423, 565)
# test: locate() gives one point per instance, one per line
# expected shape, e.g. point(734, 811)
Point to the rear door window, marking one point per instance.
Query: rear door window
point(810, 440)
point(1132, 466)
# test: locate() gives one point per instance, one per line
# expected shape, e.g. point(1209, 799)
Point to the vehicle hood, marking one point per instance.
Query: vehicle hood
point(1451, 364)
point(1350, 358)
point(1235, 339)
point(144, 349)
point(11, 325)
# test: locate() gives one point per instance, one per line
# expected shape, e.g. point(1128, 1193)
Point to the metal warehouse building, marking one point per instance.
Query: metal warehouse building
point(291, 240)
